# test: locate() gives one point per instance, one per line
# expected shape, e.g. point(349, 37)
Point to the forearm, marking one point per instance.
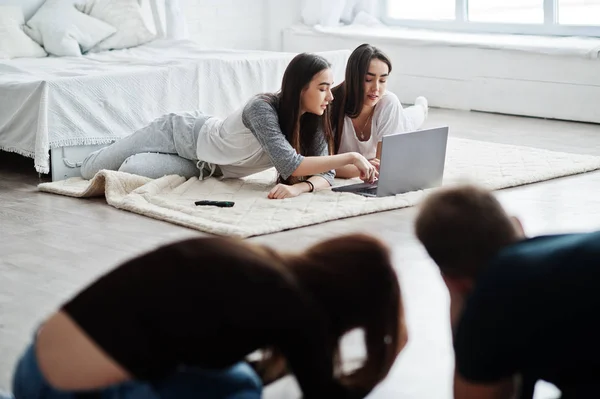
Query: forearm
point(314, 165)
point(318, 182)
point(503, 389)
point(347, 172)
point(270, 372)
point(456, 309)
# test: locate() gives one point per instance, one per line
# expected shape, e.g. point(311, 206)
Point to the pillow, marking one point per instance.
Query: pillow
point(63, 30)
point(14, 42)
point(126, 16)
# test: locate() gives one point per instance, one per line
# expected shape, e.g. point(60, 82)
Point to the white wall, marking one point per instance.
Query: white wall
point(469, 78)
point(450, 77)
point(240, 24)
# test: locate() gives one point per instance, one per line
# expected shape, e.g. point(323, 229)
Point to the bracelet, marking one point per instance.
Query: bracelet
point(312, 186)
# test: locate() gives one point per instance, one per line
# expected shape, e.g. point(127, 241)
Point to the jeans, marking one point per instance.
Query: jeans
point(165, 146)
point(237, 382)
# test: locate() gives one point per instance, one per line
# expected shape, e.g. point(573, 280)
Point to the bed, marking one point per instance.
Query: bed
point(56, 110)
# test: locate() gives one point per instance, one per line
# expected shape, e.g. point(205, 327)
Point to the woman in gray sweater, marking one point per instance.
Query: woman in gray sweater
point(289, 130)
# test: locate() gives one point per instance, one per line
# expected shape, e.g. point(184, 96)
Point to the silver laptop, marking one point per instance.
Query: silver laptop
point(409, 161)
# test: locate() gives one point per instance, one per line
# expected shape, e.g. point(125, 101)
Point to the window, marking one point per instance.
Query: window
point(507, 11)
point(422, 9)
point(541, 17)
point(579, 12)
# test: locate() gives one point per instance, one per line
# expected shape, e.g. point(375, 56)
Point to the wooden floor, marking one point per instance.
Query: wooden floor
point(51, 246)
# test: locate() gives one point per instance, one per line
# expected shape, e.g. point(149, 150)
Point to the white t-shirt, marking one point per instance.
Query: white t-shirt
point(388, 118)
point(250, 140)
point(230, 144)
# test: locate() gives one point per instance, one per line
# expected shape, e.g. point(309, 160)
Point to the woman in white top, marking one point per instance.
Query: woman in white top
point(364, 112)
point(289, 130)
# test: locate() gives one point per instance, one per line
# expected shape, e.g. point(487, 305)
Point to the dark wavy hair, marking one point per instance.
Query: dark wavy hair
point(352, 280)
point(301, 131)
point(350, 94)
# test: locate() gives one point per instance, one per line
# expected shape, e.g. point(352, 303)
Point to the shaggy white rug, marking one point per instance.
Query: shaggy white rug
point(171, 198)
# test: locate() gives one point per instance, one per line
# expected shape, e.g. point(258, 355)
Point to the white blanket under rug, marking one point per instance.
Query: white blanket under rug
point(171, 198)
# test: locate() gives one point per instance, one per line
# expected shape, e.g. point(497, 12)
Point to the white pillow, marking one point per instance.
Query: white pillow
point(126, 16)
point(14, 42)
point(65, 31)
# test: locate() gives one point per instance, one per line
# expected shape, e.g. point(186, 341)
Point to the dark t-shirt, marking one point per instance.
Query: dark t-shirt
point(191, 304)
point(534, 311)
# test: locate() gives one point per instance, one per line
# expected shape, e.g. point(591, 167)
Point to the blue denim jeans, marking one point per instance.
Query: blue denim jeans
point(237, 382)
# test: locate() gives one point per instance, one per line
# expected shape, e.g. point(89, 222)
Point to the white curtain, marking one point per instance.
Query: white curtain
point(175, 20)
point(174, 25)
point(336, 12)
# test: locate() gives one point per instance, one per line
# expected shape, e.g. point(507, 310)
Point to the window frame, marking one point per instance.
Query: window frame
point(550, 26)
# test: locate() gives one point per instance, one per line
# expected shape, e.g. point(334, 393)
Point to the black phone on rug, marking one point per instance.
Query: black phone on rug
point(220, 204)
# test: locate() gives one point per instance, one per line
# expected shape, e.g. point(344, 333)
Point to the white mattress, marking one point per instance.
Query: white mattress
point(96, 99)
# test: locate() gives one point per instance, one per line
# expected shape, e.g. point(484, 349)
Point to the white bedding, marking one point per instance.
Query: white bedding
point(96, 99)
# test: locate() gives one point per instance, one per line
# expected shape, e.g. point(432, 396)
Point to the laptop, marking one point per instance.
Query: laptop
point(409, 161)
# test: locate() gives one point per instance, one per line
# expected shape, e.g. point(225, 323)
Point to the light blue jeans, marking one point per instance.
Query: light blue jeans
point(166, 146)
point(238, 382)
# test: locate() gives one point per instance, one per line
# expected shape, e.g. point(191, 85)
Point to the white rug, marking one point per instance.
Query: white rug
point(171, 198)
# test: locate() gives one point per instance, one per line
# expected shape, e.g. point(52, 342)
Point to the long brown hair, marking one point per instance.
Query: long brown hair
point(350, 94)
point(352, 279)
point(301, 131)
